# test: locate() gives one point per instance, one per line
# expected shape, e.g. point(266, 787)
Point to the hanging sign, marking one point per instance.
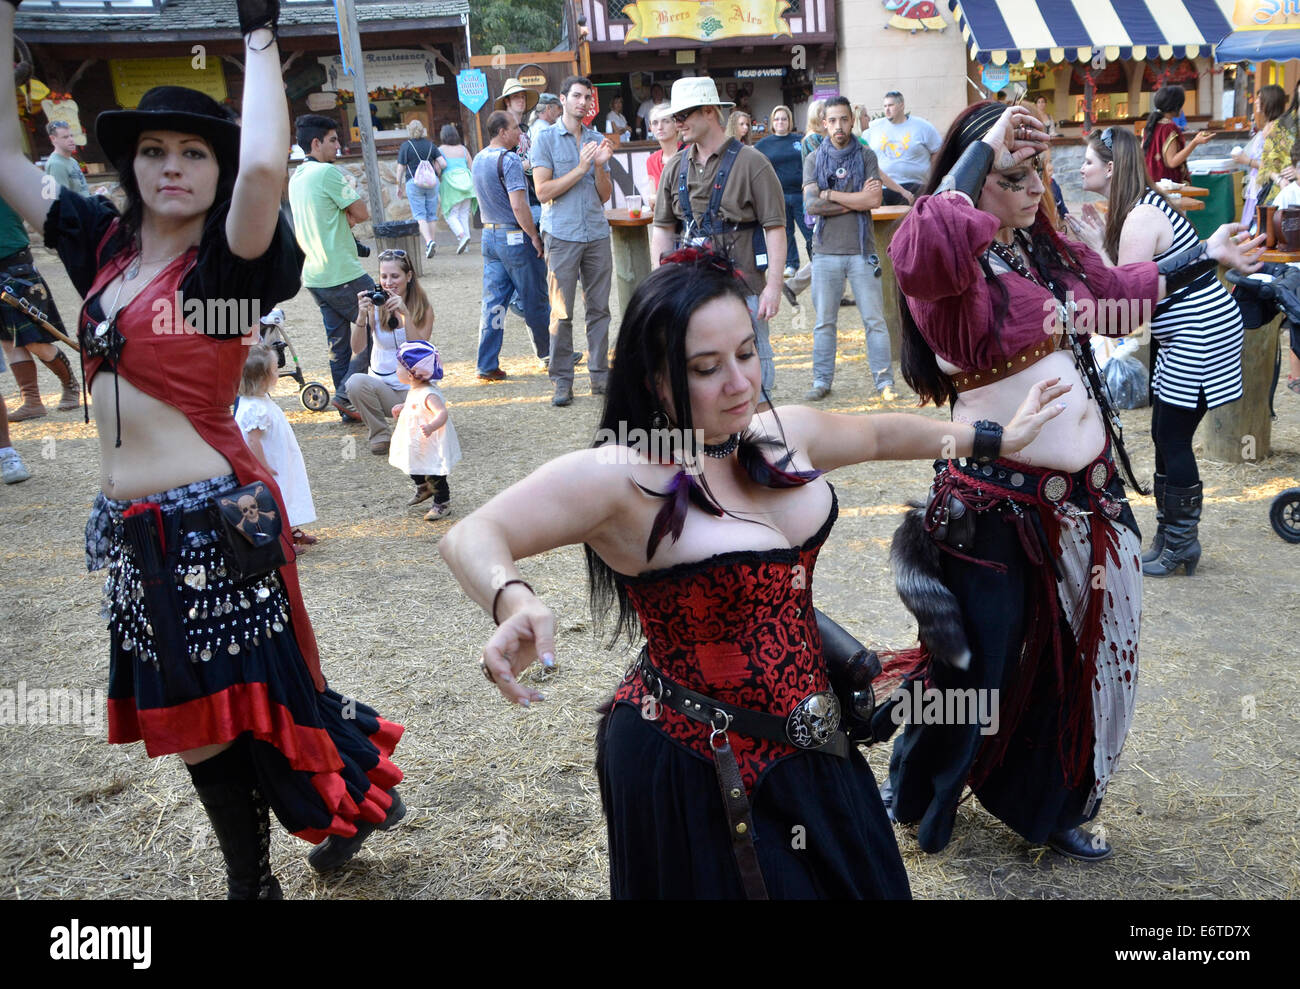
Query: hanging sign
point(995, 77)
point(705, 20)
point(472, 89)
point(395, 69)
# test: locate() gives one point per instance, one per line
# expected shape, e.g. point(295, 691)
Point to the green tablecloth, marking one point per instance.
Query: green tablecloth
point(1220, 206)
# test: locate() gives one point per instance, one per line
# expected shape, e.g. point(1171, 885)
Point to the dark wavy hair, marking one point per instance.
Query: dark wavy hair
point(652, 344)
point(1047, 250)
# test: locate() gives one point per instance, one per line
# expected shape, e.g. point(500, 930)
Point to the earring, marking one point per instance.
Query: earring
point(659, 419)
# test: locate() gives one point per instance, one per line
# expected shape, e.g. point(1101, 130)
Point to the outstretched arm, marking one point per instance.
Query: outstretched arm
point(564, 502)
point(264, 144)
point(22, 184)
point(830, 440)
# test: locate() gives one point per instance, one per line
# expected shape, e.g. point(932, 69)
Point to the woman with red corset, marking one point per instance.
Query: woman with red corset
point(702, 520)
point(212, 654)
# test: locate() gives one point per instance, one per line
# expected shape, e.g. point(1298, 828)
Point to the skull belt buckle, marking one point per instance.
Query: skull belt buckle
point(814, 721)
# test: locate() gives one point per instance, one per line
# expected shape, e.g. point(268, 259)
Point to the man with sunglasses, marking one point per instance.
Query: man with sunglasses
point(571, 172)
point(730, 197)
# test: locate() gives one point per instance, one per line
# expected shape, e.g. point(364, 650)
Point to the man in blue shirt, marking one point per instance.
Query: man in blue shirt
point(571, 174)
point(511, 246)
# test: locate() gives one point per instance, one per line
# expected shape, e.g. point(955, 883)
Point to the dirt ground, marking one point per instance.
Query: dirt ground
point(503, 801)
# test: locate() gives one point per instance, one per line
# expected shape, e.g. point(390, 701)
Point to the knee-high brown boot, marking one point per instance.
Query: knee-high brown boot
point(61, 368)
point(32, 407)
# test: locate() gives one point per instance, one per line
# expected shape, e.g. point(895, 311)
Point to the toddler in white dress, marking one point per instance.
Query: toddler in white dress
point(268, 434)
point(424, 443)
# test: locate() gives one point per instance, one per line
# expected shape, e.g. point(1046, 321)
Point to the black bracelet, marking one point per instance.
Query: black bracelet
point(988, 442)
point(970, 171)
point(496, 599)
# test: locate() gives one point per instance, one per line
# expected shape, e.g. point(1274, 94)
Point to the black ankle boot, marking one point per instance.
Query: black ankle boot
point(1181, 546)
point(1158, 543)
point(1077, 843)
point(336, 851)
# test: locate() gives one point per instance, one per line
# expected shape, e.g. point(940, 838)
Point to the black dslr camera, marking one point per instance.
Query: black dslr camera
point(378, 296)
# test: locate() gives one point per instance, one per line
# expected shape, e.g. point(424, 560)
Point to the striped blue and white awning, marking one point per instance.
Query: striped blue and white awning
point(1001, 31)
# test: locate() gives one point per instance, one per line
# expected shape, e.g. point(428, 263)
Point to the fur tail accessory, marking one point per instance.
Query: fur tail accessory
point(918, 577)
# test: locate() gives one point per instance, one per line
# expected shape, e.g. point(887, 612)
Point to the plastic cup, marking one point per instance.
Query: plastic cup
point(634, 206)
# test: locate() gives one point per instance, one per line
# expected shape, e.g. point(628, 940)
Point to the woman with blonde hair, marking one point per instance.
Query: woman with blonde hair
point(739, 124)
point(782, 148)
point(414, 180)
point(815, 131)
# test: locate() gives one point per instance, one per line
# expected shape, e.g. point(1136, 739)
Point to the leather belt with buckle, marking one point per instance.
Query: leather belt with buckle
point(813, 725)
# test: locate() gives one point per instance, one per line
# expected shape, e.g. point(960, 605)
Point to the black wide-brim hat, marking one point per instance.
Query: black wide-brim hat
point(172, 108)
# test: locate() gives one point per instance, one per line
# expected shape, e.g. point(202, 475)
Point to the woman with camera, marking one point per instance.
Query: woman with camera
point(389, 316)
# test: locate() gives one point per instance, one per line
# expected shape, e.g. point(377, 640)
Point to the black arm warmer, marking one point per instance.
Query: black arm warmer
point(1183, 268)
point(970, 171)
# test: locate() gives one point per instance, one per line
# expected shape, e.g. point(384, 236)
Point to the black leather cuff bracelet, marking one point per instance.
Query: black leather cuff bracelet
point(988, 442)
point(969, 173)
point(1183, 268)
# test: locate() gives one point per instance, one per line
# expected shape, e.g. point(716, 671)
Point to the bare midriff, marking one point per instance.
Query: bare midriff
point(1069, 442)
point(160, 448)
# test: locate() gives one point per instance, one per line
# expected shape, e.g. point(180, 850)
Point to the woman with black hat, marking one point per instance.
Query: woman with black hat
point(212, 654)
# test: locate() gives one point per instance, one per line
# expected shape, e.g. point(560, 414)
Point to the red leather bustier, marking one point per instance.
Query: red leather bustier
point(738, 627)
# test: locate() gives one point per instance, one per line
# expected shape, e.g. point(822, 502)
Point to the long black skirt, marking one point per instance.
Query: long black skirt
point(820, 828)
point(931, 763)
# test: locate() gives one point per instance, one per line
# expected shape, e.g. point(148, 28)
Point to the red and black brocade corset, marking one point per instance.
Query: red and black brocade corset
point(738, 627)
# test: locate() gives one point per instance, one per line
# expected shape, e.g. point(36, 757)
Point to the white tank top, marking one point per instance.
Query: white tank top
point(383, 351)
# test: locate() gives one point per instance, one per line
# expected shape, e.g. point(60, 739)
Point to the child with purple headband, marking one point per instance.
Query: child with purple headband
point(424, 443)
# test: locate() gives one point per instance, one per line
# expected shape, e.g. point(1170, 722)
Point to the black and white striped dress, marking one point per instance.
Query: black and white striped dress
point(1200, 331)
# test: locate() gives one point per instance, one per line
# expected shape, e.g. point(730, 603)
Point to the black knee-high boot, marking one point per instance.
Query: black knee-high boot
point(1182, 546)
point(1158, 543)
point(240, 815)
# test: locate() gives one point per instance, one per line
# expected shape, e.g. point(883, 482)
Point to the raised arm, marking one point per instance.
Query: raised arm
point(833, 440)
point(567, 501)
point(264, 143)
point(22, 184)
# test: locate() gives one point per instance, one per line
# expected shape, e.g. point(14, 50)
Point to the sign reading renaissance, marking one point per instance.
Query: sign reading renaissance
point(1265, 15)
point(394, 69)
point(705, 20)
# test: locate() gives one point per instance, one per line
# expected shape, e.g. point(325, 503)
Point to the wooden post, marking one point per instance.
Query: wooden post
point(1241, 431)
point(348, 13)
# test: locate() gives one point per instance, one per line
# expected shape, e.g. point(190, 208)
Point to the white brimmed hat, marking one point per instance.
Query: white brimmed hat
point(695, 91)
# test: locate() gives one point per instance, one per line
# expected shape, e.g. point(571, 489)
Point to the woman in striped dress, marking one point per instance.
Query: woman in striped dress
point(1198, 366)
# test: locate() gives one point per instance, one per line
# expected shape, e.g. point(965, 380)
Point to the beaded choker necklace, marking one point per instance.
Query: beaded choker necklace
point(721, 451)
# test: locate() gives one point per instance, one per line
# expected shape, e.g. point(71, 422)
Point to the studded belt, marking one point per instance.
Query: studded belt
point(1052, 488)
point(1007, 366)
point(813, 725)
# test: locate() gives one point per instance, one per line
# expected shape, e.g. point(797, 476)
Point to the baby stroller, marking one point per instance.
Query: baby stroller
point(314, 396)
point(1274, 289)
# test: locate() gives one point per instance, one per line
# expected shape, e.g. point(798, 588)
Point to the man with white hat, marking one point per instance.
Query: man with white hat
point(730, 198)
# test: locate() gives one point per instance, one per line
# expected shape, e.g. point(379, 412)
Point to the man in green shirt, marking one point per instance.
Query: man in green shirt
point(20, 336)
point(62, 163)
point(325, 208)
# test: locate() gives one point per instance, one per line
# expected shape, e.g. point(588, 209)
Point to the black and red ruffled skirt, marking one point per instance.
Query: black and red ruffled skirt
point(230, 665)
